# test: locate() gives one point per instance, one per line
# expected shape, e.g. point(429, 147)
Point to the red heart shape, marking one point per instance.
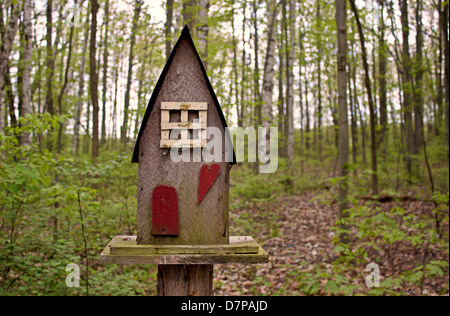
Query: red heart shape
point(208, 174)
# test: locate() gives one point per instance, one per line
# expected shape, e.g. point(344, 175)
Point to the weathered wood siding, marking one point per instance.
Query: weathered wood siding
point(206, 223)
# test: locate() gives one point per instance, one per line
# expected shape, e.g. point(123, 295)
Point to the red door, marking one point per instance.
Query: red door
point(165, 211)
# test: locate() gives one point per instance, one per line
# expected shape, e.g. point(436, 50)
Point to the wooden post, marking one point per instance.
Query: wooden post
point(185, 280)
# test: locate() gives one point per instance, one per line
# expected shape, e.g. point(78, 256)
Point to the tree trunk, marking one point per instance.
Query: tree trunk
point(63, 88)
point(269, 64)
point(105, 71)
point(93, 84)
point(202, 30)
point(124, 128)
point(290, 55)
point(79, 104)
point(370, 99)
point(343, 148)
point(418, 87)
point(407, 88)
point(5, 51)
point(168, 27)
point(319, 81)
point(281, 99)
point(50, 60)
point(25, 138)
point(354, 119)
point(443, 13)
point(439, 88)
point(243, 77)
point(256, 88)
point(382, 64)
point(190, 14)
point(235, 70)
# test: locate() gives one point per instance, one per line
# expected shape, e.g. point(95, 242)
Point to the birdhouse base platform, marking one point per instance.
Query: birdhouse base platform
point(241, 249)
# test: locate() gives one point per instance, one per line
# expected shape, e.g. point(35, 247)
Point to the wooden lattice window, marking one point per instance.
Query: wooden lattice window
point(190, 118)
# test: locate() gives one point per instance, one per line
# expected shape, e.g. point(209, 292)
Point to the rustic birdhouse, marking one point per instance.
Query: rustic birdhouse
point(183, 205)
point(181, 202)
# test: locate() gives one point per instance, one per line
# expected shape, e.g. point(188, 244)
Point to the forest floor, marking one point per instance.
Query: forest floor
point(296, 232)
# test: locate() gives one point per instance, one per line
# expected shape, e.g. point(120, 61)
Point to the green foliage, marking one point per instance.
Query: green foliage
point(42, 198)
point(374, 231)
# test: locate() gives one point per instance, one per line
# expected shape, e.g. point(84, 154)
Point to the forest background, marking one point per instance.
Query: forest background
point(359, 91)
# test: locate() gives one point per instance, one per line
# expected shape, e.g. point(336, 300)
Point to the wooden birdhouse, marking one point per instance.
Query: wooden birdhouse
point(183, 205)
point(181, 202)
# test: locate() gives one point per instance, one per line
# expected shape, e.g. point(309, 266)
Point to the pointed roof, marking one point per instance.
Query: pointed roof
point(184, 34)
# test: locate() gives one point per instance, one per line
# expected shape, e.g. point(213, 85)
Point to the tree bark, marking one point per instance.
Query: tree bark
point(343, 147)
point(267, 92)
point(370, 99)
point(235, 69)
point(79, 104)
point(418, 87)
point(202, 30)
point(444, 29)
point(382, 65)
point(105, 71)
point(319, 80)
point(190, 14)
point(124, 128)
point(168, 27)
point(93, 84)
point(407, 88)
point(257, 94)
point(50, 60)
point(63, 88)
point(243, 76)
point(25, 138)
point(290, 84)
point(5, 51)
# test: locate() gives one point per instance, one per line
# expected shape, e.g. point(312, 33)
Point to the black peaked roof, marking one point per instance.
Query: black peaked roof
point(184, 34)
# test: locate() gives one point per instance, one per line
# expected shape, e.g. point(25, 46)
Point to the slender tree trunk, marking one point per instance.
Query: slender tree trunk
point(354, 119)
point(5, 51)
point(281, 99)
point(190, 14)
point(63, 88)
point(93, 84)
point(168, 27)
point(124, 128)
point(319, 81)
point(307, 115)
point(370, 99)
point(382, 72)
point(50, 60)
point(256, 88)
point(9, 99)
point(105, 71)
point(235, 70)
point(290, 55)
point(443, 13)
point(418, 87)
point(439, 88)
point(267, 87)
point(244, 65)
point(25, 138)
point(79, 103)
point(343, 148)
point(407, 88)
point(202, 30)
